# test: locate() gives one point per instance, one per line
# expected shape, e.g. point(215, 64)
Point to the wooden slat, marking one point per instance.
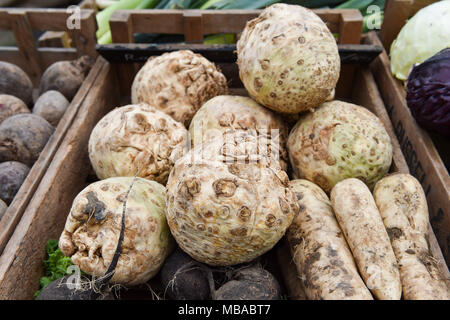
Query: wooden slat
point(122, 32)
point(27, 45)
point(193, 27)
point(59, 38)
point(4, 21)
point(220, 53)
point(421, 155)
point(225, 21)
point(47, 211)
point(156, 21)
point(51, 19)
point(85, 38)
point(350, 26)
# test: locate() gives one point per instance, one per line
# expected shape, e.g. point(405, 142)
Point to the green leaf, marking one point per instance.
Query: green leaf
point(55, 266)
point(45, 281)
point(51, 246)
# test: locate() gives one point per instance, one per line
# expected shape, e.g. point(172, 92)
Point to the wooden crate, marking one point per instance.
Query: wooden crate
point(191, 23)
point(69, 173)
point(34, 61)
point(396, 14)
point(420, 152)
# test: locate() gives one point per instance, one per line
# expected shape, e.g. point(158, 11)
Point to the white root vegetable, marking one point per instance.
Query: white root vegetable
point(324, 261)
point(227, 203)
point(93, 226)
point(288, 59)
point(403, 207)
point(366, 235)
point(178, 83)
point(137, 139)
point(223, 113)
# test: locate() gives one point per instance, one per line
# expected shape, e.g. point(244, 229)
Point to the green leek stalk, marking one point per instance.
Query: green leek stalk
point(104, 36)
point(209, 4)
point(104, 15)
point(354, 4)
point(238, 4)
point(147, 4)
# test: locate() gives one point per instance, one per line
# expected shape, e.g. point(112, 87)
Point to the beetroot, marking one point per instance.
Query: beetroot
point(12, 175)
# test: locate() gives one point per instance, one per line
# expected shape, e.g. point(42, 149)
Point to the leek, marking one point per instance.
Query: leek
point(104, 15)
point(104, 32)
point(237, 4)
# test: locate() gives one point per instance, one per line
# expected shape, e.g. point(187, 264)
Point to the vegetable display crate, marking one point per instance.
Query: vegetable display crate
point(70, 171)
point(34, 60)
point(423, 159)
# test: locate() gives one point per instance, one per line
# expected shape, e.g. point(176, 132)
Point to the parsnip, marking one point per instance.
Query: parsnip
point(366, 235)
point(320, 252)
point(403, 207)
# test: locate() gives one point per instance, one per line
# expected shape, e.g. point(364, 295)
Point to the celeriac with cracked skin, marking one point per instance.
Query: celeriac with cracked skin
point(223, 113)
point(137, 140)
point(227, 204)
point(178, 83)
point(93, 226)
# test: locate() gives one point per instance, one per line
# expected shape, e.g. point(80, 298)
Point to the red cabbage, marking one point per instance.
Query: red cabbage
point(428, 93)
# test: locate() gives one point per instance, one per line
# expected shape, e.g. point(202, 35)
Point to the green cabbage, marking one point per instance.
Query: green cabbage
point(425, 34)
